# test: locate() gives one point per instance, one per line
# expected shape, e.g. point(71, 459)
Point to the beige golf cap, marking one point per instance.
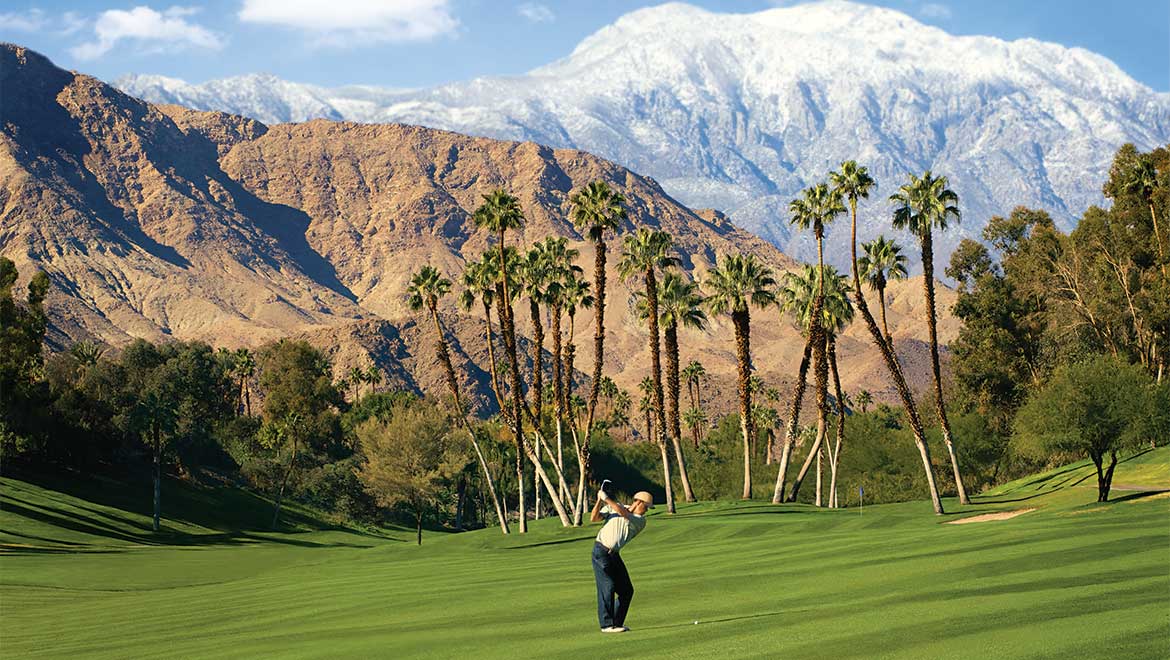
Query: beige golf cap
point(645, 498)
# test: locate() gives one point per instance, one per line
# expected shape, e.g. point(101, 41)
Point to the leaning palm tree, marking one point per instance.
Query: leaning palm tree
point(479, 284)
point(1142, 181)
point(835, 314)
point(853, 194)
point(426, 287)
point(922, 205)
point(815, 209)
point(796, 297)
point(498, 213)
point(883, 263)
point(645, 254)
point(737, 284)
point(597, 209)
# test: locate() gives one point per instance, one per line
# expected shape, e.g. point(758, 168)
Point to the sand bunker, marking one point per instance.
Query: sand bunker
point(1001, 515)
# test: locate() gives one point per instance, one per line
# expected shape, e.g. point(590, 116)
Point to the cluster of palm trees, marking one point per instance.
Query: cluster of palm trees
point(819, 299)
point(356, 377)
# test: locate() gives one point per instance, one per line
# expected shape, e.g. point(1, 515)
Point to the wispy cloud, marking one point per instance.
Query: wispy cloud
point(148, 30)
point(36, 20)
point(935, 10)
point(355, 22)
point(536, 13)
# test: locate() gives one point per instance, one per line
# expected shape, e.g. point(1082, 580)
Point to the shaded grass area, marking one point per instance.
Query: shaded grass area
point(1072, 579)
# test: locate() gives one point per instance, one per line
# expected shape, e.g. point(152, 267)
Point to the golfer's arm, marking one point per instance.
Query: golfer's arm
point(596, 515)
point(618, 508)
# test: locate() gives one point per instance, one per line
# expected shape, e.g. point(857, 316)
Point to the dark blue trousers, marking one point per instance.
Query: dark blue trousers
point(614, 589)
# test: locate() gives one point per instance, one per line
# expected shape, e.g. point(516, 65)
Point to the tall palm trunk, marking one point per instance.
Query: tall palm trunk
point(509, 331)
point(453, 386)
point(537, 382)
point(491, 343)
point(932, 325)
point(821, 372)
point(741, 319)
point(598, 362)
point(881, 289)
point(835, 452)
point(656, 372)
point(887, 351)
point(793, 420)
point(820, 455)
point(559, 396)
point(670, 336)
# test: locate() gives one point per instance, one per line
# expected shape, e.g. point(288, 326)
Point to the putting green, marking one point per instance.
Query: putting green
point(82, 577)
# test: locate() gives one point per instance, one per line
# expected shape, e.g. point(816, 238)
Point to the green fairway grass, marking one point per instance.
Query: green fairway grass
point(82, 576)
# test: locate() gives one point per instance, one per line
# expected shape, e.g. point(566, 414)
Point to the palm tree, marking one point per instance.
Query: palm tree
point(155, 417)
point(534, 278)
point(695, 418)
point(621, 410)
point(576, 296)
point(766, 418)
point(558, 258)
point(87, 353)
point(864, 399)
point(817, 207)
point(679, 303)
point(883, 263)
point(646, 253)
point(356, 377)
point(920, 206)
point(740, 282)
point(596, 209)
point(374, 374)
point(797, 294)
point(479, 284)
point(693, 374)
point(1142, 181)
point(243, 369)
point(646, 404)
point(498, 213)
point(891, 360)
point(835, 314)
point(426, 288)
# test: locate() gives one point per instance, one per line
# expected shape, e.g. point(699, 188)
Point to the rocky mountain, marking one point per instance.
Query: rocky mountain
point(164, 222)
point(740, 111)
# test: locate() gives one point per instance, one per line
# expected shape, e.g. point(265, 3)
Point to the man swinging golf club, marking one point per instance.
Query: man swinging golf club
point(622, 524)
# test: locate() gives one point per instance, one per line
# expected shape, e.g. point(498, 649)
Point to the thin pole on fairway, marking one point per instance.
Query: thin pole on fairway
point(861, 499)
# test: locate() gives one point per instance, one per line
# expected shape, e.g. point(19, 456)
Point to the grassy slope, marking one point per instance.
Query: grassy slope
point(83, 577)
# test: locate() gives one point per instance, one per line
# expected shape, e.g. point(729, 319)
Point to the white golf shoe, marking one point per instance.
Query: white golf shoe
point(614, 629)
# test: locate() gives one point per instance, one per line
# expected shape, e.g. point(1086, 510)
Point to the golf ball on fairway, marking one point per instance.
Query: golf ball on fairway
point(696, 623)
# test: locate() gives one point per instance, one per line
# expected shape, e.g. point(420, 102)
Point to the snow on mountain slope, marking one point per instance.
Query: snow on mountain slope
point(740, 111)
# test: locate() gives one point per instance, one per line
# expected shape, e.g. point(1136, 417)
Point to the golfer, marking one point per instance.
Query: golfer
point(622, 524)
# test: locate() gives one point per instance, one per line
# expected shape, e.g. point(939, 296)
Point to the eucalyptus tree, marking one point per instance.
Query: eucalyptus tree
point(679, 304)
point(855, 191)
point(596, 209)
point(426, 288)
point(921, 206)
point(647, 253)
point(479, 284)
point(816, 208)
point(738, 283)
point(882, 263)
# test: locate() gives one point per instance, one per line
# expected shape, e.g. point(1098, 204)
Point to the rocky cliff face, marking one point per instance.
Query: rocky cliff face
point(159, 221)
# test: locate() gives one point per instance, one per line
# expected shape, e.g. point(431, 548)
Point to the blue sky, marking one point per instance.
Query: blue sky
point(413, 43)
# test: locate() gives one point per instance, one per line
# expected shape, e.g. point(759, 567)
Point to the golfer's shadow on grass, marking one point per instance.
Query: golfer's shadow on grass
point(726, 619)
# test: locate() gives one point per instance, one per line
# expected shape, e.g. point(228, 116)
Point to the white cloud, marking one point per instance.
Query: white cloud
point(536, 13)
point(32, 20)
point(935, 10)
point(150, 30)
point(355, 22)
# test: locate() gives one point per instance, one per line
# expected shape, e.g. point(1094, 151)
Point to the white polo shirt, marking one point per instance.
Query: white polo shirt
point(618, 530)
